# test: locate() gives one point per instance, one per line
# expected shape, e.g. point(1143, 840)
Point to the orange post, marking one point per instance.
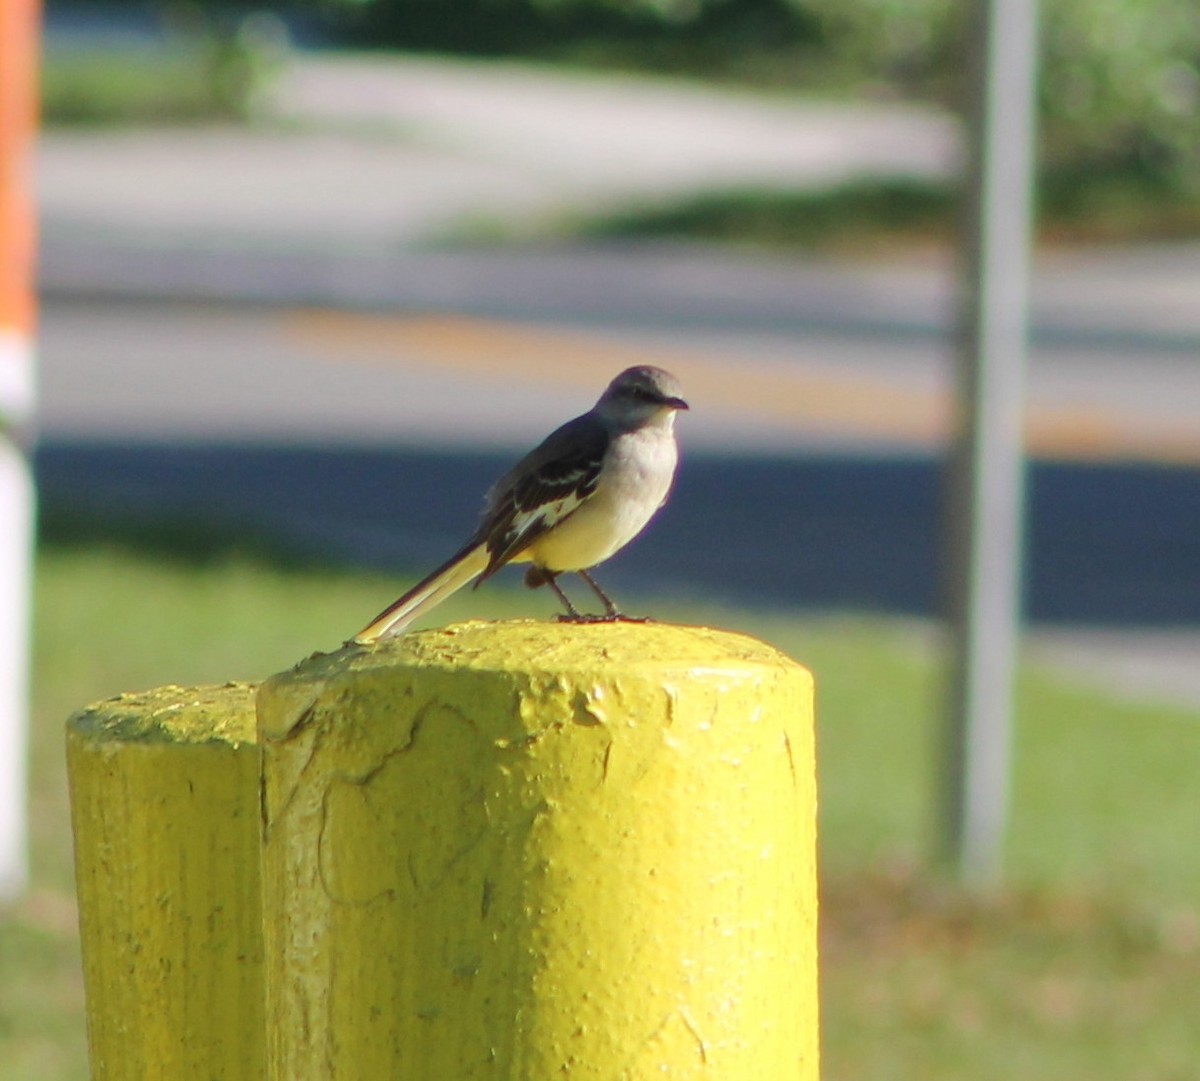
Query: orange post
point(18, 121)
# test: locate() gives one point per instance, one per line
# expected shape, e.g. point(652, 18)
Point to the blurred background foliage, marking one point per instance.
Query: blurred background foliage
point(1119, 98)
point(156, 63)
point(1119, 95)
point(1120, 84)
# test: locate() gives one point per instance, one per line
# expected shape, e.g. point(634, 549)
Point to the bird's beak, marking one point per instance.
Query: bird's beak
point(675, 403)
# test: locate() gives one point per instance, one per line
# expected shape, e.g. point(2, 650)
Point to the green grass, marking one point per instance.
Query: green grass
point(198, 83)
point(859, 216)
point(1087, 965)
point(872, 215)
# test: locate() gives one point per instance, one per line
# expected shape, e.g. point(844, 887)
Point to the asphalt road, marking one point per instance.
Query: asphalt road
point(818, 532)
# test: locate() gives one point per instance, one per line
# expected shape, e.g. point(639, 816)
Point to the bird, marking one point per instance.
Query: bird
point(576, 499)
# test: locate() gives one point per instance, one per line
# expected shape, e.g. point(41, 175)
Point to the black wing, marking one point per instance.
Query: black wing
point(545, 487)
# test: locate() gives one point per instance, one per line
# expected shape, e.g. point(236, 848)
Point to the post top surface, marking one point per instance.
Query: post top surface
point(518, 653)
point(541, 647)
point(215, 713)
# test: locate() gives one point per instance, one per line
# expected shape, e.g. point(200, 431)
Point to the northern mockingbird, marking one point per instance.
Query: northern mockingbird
point(578, 498)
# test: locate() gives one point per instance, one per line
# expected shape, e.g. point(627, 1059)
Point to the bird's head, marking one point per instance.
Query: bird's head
point(641, 395)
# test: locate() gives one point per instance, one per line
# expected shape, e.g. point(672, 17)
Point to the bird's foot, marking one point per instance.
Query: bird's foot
point(606, 617)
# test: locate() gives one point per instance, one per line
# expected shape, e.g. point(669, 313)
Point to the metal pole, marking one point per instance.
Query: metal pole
point(986, 468)
point(18, 65)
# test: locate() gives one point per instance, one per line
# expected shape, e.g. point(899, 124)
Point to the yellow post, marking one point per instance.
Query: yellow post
point(523, 851)
point(164, 803)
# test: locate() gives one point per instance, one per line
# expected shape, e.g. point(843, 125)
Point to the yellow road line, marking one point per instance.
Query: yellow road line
point(778, 393)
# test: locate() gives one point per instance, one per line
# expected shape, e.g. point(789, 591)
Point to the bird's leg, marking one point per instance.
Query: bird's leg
point(537, 576)
point(611, 612)
point(574, 615)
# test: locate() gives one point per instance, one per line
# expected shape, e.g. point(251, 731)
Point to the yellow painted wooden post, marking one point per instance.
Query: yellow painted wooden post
point(165, 809)
point(525, 851)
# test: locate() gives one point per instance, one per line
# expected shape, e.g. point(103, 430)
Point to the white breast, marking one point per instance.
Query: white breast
point(636, 478)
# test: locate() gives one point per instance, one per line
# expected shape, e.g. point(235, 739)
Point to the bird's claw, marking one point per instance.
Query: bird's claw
point(607, 617)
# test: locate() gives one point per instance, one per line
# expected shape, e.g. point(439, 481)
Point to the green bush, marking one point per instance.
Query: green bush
point(1119, 83)
point(712, 38)
point(1119, 87)
point(209, 66)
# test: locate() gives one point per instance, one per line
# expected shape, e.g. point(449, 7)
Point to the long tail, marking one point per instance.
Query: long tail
point(452, 575)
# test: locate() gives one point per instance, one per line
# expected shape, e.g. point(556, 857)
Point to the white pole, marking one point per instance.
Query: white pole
point(986, 483)
point(18, 66)
point(16, 514)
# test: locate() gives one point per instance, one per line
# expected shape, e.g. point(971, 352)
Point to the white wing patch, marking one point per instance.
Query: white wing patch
point(538, 519)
